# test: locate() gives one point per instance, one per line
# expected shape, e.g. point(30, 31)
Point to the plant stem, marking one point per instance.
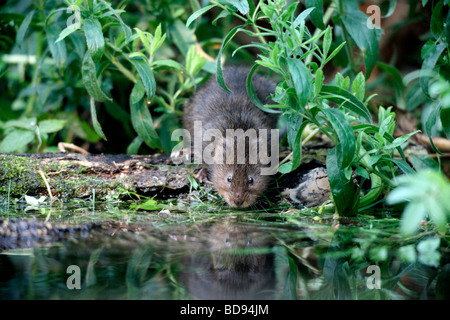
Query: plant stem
point(120, 66)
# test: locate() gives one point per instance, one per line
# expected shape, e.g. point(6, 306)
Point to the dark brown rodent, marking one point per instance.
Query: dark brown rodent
point(238, 184)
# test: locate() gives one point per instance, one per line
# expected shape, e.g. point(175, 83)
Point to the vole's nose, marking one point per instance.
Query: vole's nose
point(238, 203)
point(238, 199)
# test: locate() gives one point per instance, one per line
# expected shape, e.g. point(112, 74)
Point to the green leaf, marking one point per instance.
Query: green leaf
point(374, 129)
point(429, 63)
point(437, 21)
point(431, 121)
point(144, 39)
point(397, 82)
point(198, 13)
point(95, 123)
point(399, 141)
point(342, 189)
point(241, 5)
point(252, 93)
point(445, 119)
point(302, 16)
point(335, 52)
point(16, 140)
point(48, 126)
point(428, 250)
point(355, 23)
point(318, 82)
point(359, 87)
point(67, 31)
point(89, 75)
point(349, 101)
point(403, 165)
point(32, 201)
point(345, 149)
point(327, 38)
point(391, 9)
point(126, 29)
point(133, 147)
point(58, 50)
point(146, 75)
point(158, 40)
point(301, 78)
point(149, 205)
point(23, 29)
point(316, 16)
point(141, 118)
point(226, 41)
point(94, 38)
point(297, 146)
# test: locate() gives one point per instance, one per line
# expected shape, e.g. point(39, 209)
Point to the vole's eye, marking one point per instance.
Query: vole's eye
point(229, 178)
point(250, 180)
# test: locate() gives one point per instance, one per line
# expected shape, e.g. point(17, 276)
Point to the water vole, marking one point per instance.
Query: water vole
point(238, 182)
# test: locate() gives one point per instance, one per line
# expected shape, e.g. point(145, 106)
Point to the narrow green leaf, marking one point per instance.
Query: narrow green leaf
point(345, 149)
point(359, 86)
point(342, 189)
point(316, 16)
point(126, 29)
point(144, 39)
point(94, 38)
point(58, 50)
point(374, 129)
point(146, 74)
point(403, 165)
point(95, 123)
point(397, 82)
point(437, 21)
point(89, 76)
point(335, 52)
point(48, 126)
point(400, 140)
point(355, 23)
point(241, 5)
point(141, 118)
point(16, 140)
point(429, 63)
point(252, 93)
point(392, 6)
point(349, 101)
point(302, 16)
point(431, 121)
point(301, 78)
point(197, 14)
point(412, 215)
point(67, 31)
point(226, 41)
point(318, 82)
point(297, 146)
point(327, 38)
point(23, 29)
point(445, 119)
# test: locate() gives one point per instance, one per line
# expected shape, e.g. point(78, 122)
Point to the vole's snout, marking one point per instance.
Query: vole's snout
point(238, 199)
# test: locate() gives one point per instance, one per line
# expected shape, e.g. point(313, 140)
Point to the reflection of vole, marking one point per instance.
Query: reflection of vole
point(229, 264)
point(239, 183)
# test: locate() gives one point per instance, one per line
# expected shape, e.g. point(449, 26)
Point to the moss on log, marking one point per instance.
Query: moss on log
point(79, 176)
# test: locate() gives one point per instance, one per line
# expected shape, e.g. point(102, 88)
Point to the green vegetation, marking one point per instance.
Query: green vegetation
point(112, 76)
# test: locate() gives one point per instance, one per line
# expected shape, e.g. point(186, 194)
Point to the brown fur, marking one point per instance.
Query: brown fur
point(221, 110)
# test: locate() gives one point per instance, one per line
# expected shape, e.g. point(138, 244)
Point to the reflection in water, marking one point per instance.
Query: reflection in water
point(231, 263)
point(222, 260)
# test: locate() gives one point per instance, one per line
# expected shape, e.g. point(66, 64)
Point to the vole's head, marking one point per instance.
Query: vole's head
point(240, 184)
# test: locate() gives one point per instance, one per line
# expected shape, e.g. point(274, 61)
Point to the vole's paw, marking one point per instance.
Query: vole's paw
point(202, 176)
